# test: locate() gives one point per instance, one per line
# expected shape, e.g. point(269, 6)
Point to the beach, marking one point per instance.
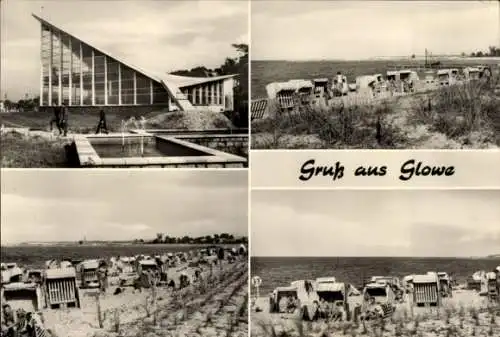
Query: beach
point(465, 314)
point(208, 309)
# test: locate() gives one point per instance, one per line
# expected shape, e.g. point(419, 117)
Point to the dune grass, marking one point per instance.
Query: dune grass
point(446, 321)
point(79, 122)
point(20, 151)
point(462, 111)
point(462, 115)
point(337, 126)
point(198, 309)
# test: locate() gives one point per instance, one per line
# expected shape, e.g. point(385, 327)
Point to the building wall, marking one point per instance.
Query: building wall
point(229, 94)
point(76, 74)
point(212, 96)
point(126, 111)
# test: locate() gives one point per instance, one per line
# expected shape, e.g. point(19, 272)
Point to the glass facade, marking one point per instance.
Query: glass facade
point(205, 94)
point(76, 74)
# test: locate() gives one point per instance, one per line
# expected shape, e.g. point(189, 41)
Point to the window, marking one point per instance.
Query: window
point(203, 95)
point(194, 96)
point(160, 94)
point(99, 78)
point(143, 88)
point(56, 67)
point(75, 72)
point(65, 67)
point(127, 75)
point(113, 85)
point(211, 94)
point(220, 91)
point(46, 63)
point(87, 74)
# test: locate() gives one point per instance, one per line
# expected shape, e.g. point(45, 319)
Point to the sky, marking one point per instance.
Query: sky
point(419, 223)
point(311, 30)
point(69, 205)
point(156, 35)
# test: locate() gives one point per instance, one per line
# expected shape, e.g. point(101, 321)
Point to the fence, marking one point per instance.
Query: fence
point(260, 107)
point(425, 293)
point(89, 276)
point(62, 291)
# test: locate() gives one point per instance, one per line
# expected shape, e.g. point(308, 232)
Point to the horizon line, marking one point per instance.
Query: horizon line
point(375, 256)
point(376, 58)
point(236, 236)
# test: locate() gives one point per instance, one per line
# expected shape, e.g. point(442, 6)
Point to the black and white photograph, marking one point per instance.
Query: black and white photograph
point(124, 84)
point(375, 74)
point(375, 263)
point(132, 253)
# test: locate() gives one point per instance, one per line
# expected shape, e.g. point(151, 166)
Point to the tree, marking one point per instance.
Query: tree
point(237, 65)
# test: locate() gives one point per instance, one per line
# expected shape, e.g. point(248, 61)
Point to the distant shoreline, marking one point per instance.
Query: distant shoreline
point(110, 243)
point(388, 58)
point(495, 256)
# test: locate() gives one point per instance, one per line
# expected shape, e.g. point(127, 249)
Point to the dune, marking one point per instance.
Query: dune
point(215, 305)
point(464, 314)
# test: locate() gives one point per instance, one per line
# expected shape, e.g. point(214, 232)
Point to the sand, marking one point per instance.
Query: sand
point(455, 317)
point(177, 313)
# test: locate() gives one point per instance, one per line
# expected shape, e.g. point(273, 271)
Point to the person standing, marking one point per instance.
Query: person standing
point(56, 119)
point(8, 321)
point(102, 274)
point(102, 126)
point(64, 119)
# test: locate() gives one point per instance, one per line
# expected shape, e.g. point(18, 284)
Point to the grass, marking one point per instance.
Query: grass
point(337, 126)
point(19, 150)
point(195, 307)
point(462, 111)
point(264, 72)
point(444, 321)
point(465, 115)
point(79, 122)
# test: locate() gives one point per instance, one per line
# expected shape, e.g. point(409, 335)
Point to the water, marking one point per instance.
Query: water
point(128, 150)
point(280, 271)
point(265, 72)
point(35, 256)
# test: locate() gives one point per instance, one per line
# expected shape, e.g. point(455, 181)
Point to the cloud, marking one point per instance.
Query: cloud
point(122, 205)
point(356, 30)
point(154, 35)
point(375, 223)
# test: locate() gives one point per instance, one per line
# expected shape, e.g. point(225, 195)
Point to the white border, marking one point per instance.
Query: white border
point(249, 161)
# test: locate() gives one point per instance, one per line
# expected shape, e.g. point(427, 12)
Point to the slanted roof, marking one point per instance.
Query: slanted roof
point(471, 69)
point(171, 88)
point(377, 285)
point(187, 81)
point(115, 55)
point(491, 275)
point(428, 278)
point(329, 279)
point(60, 273)
point(301, 83)
point(331, 287)
point(444, 71)
point(147, 262)
point(90, 264)
point(289, 288)
point(20, 286)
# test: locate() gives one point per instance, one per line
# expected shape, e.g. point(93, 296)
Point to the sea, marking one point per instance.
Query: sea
point(265, 72)
point(34, 256)
point(280, 271)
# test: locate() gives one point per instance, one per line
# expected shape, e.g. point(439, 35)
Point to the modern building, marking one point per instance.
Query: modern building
point(80, 75)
